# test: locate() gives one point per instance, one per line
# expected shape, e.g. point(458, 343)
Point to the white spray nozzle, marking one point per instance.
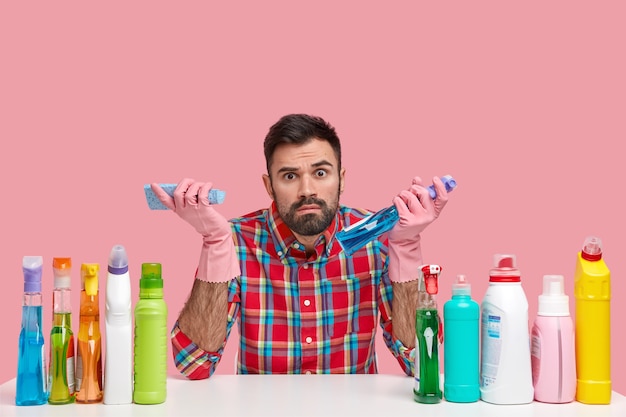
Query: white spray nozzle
point(553, 301)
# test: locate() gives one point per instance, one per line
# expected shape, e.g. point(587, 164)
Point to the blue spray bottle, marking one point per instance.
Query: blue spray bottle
point(461, 348)
point(428, 331)
point(357, 235)
point(31, 383)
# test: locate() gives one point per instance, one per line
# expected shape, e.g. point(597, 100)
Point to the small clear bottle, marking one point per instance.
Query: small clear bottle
point(61, 373)
point(31, 385)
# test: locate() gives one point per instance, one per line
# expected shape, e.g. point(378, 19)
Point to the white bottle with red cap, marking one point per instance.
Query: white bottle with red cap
point(506, 372)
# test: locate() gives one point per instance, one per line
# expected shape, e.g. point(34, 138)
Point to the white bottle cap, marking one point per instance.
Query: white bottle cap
point(553, 301)
point(61, 269)
point(504, 269)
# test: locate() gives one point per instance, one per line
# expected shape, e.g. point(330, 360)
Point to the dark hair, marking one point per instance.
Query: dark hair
point(299, 129)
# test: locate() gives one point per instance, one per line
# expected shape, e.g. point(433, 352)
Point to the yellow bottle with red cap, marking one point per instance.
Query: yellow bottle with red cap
point(592, 291)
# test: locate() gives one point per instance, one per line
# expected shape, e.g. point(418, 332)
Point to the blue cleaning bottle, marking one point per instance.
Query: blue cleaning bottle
point(428, 332)
point(355, 236)
point(31, 388)
point(461, 358)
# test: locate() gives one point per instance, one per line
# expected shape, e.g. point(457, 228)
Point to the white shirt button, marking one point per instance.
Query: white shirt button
point(280, 253)
point(308, 372)
point(305, 266)
point(309, 339)
point(307, 303)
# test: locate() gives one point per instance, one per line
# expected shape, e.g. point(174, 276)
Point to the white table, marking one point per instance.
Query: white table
point(302, 395)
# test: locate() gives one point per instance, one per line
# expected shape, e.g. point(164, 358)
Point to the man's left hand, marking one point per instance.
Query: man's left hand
point(416, 210)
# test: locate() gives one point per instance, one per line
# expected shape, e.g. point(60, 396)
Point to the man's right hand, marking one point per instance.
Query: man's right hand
point(218, 259)
point(191, 203)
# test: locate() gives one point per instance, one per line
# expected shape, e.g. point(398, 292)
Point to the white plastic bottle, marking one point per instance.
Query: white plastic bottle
point(118, 364)
point(553, 347)
point(505, 373)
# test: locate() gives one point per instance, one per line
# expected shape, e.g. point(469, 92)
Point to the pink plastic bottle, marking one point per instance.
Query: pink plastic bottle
point(553, 345)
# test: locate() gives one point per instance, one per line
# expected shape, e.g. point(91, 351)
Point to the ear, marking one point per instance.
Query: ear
point(267, 181)
point(342, 176)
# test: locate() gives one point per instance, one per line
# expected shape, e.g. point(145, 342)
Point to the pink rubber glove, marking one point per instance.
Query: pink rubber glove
point(416, 211)
point(218, 258)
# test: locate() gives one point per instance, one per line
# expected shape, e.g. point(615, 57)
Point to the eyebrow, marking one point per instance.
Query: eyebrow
point(321, 163)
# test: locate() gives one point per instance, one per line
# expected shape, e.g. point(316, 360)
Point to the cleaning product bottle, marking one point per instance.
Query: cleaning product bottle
point(461, 358)
point(553, 356)
point(61, 373)
point(31, 385)
point(506, 374)
point(118, 366)
point(151, 338)
point(592, 291)
point(89, 359)
point(427, 337)
point(355, 236)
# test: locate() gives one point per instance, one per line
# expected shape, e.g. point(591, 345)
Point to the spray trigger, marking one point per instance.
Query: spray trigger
point(431, 278)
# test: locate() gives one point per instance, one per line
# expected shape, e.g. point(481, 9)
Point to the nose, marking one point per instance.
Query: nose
point(307, 187)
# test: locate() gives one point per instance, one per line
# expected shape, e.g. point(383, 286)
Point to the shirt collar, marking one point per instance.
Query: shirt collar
point(284, 238)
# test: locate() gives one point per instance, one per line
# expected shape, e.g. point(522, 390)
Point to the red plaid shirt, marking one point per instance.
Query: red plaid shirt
point(297, 314)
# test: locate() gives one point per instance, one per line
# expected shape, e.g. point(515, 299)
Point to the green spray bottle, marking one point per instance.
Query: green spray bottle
point(428, 333)
point(151, 338)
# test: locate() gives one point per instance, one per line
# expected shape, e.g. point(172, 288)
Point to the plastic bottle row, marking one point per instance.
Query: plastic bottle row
point(489, 352)
point(135, 368)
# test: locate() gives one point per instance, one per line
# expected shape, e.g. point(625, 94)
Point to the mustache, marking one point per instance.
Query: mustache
point(306, 201)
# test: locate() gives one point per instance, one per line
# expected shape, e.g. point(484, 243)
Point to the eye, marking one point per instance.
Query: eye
point(289, 176)
point(320, 173)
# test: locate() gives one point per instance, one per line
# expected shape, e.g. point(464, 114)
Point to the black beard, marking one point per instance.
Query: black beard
point(309, 224)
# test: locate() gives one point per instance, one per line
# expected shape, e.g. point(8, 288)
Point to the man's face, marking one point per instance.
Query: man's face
point(305, 183)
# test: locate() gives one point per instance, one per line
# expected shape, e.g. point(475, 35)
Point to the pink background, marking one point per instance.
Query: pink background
point(524, 104)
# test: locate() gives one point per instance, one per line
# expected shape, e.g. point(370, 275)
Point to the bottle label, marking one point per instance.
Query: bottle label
point(535, 355)
point(150, 354)
point(535, 346)
point(44, 369)
point(426, 373)
point(70, 366)
point(417, 364)
point(78, 376)
point(491, 347)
